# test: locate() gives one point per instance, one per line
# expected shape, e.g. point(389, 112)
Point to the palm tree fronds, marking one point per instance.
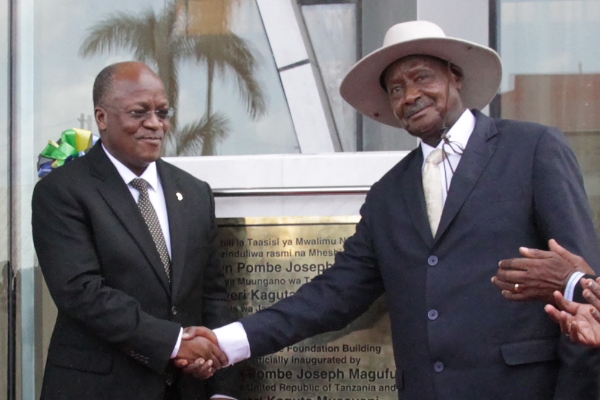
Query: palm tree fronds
point(122, 31)
point(160, 39)
point(229, 52)
point(209, 129)
point(243, 64)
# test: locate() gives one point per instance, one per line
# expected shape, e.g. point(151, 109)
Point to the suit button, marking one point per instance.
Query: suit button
point(432, 260)
point(432, 315)
point(438, 366)
point(174, 310)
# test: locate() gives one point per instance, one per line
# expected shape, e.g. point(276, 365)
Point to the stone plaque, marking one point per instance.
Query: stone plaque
point(268, 259)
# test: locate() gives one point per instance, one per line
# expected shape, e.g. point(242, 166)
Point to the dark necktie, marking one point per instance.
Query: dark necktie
point(149, 214)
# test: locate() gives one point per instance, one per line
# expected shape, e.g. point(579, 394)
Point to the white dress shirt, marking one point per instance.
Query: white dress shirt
point(459, 135)
point(155, 192)
point(233, 339)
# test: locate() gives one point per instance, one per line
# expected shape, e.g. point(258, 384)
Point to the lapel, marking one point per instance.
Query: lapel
point(177, 222)
point(412, 191)
point(115, 192)
point(479, 151)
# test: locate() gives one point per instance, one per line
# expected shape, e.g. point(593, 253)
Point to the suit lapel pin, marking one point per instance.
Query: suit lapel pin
point(179, 196)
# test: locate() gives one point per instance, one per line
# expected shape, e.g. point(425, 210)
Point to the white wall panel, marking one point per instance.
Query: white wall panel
point(283, 31)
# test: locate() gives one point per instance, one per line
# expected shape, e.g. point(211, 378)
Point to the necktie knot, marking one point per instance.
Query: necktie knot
point(140, 184)
point(435, 157)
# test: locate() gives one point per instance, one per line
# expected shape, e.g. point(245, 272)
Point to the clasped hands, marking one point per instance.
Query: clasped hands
point(199, 353)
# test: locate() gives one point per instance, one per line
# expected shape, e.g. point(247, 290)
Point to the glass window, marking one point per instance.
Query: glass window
point(332, 32)
point(4, 194)
point(219, 76)
point(219, 69)
point(552, 74)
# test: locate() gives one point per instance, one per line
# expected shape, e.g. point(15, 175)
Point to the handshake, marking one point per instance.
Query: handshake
point(199, 353)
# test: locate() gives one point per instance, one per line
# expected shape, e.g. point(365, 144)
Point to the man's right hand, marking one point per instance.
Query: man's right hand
point(195, 346)
point(192, 331)
point(199, 353)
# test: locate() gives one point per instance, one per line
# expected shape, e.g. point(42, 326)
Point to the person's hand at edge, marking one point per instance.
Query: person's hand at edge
point(580, 322)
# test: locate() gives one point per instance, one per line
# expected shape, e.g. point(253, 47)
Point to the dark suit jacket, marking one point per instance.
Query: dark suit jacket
point(118, 316)
point(454, 335)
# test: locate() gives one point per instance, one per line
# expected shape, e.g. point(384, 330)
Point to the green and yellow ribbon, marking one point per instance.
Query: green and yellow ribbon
point(72, 144)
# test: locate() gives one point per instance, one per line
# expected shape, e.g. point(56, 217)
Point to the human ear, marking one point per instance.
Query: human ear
point(101, 117)
point(456, 75)
point(457, 80)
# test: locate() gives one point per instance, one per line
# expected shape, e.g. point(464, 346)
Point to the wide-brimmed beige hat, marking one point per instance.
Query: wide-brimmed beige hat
point(481, 67)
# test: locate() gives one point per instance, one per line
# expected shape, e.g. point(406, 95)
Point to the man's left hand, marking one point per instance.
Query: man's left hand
point(539, 273)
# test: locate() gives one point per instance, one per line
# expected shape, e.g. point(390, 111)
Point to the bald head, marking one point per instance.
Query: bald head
point(104, 80)
point(132, 113)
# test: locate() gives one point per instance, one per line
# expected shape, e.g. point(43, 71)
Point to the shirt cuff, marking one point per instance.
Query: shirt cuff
point(177, 345)
point(573, 280)
point(233, 342)
point(214, 396)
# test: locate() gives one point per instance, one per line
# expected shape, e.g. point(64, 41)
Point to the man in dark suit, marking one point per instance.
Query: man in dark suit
point(431, 241)
point(127, 277)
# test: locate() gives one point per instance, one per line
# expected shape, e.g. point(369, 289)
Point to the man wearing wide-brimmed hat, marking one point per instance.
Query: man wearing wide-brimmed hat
point(435, 226)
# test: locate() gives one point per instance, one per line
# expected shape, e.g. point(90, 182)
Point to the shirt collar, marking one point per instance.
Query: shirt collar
point(150, 174)
point(459, 133)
